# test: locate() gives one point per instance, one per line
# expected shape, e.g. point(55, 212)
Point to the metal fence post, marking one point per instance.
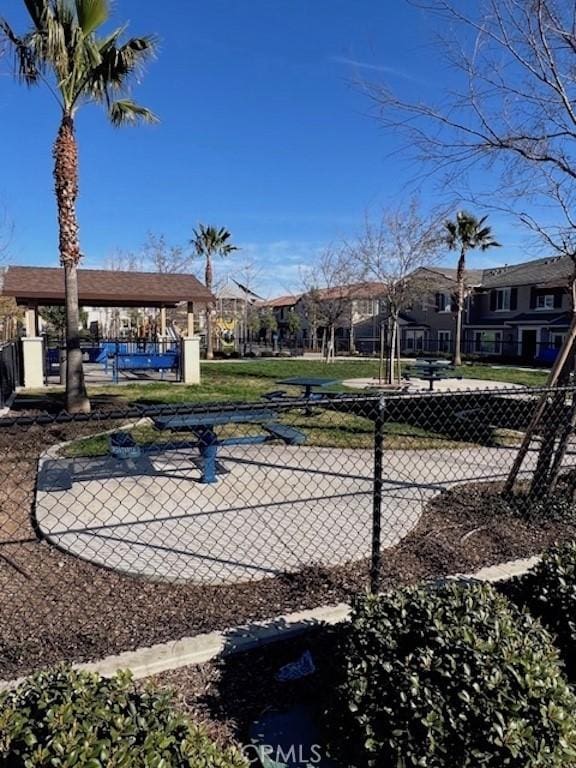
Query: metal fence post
point(376, 560)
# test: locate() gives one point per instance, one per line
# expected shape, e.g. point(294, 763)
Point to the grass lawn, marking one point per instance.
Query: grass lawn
point(323, 429)
point(242, 381)
point(249, 380)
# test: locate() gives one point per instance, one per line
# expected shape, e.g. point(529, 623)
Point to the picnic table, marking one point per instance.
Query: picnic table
point(203, 426)
point(307, 383)
point(431, 370)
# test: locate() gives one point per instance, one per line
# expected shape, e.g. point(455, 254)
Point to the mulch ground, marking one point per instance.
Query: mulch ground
point(54, 607)
point(462, 530)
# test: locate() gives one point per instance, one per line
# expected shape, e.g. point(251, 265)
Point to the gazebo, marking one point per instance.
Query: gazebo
point(33, 287)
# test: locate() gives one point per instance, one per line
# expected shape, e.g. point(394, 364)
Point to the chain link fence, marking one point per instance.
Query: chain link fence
point(145, 524)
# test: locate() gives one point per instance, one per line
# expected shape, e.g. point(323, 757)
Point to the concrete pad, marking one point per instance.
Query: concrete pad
point(274, 509)
point(444, 385)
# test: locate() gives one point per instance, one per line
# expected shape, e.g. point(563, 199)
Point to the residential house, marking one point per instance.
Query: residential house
point(281, 307)
point(521, 311)
point(349, 306)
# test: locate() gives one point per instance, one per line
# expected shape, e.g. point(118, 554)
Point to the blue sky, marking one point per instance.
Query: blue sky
point(262, 131)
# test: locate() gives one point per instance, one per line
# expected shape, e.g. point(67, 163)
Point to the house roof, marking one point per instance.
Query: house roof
point(281, 301)
point(363, 290)
point(410, 321)
point(555, 270)
point(551, 271)
point(100, 287)
point(232, 289)
point(541, 318)
point(473, 276)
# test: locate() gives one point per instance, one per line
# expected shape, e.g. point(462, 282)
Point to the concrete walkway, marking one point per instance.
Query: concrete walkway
point(445, 385)
point(274, 508)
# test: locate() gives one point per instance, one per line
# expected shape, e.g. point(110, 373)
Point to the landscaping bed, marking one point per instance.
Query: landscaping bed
point(438, 669)
point(453, 671)
point(55, 607)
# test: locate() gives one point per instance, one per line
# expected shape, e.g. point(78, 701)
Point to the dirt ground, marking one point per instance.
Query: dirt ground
point(55, 607)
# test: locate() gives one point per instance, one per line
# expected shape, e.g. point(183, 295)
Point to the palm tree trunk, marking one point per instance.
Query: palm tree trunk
point(66, 183)
point(209, 339)
point(457, 359)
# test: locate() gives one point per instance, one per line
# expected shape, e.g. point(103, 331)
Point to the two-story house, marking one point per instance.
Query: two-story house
point(520, 311)
point(348, 307)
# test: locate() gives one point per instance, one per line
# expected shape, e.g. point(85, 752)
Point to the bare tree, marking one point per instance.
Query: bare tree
point(161, 256)
point(248, 276)
point(515, 115)
point(125, 261)
point(514, 112)
point(389, 251)
point(328, 292)
point(10, 313)
point(6, 234)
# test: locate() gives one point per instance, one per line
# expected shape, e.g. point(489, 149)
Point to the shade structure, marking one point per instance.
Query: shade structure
point(37, 286)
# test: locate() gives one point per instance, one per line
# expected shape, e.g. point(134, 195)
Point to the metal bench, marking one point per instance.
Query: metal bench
point(203, 426)
point(277, 394)
point(141, 361)
point(123, 446)
point(289, 435)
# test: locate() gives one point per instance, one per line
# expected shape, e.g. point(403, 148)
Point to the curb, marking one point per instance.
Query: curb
point(200, 649)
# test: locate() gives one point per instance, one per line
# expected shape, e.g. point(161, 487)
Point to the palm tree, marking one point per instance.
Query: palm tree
point(466, 234)
point(209, 242)
point(64, 51)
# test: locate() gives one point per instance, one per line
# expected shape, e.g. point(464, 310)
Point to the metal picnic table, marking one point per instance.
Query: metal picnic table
point(307, 383)
point(432, 370)
point(203, 426)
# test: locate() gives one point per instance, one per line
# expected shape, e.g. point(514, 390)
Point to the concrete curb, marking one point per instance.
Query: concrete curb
point(199, 649)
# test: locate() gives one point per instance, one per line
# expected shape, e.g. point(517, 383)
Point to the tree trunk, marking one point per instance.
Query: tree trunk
point(457, 360)
point(209, 339)
point(392, 350)
point(399, 355)
point(559, 365)
point(66, 183)
point(382, 358)
point(541, 479)
point(332, 347)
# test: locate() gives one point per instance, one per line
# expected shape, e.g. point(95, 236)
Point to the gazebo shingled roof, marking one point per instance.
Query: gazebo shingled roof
point(33, 286)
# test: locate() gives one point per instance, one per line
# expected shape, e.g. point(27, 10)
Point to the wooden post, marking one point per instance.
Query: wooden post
point(163, 322)
point(190, 315)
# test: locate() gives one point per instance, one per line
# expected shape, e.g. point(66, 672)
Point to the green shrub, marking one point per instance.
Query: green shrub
point(548, 592)
point(447, 676)
point(63, 718)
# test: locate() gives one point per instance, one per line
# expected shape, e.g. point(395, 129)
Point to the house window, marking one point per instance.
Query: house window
point(444, 339)
point(488, 342)
point(443, 302)
point(414, 341)
point(364, 307)
point(545, 301)
point(557, 339)
point(503, 299)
